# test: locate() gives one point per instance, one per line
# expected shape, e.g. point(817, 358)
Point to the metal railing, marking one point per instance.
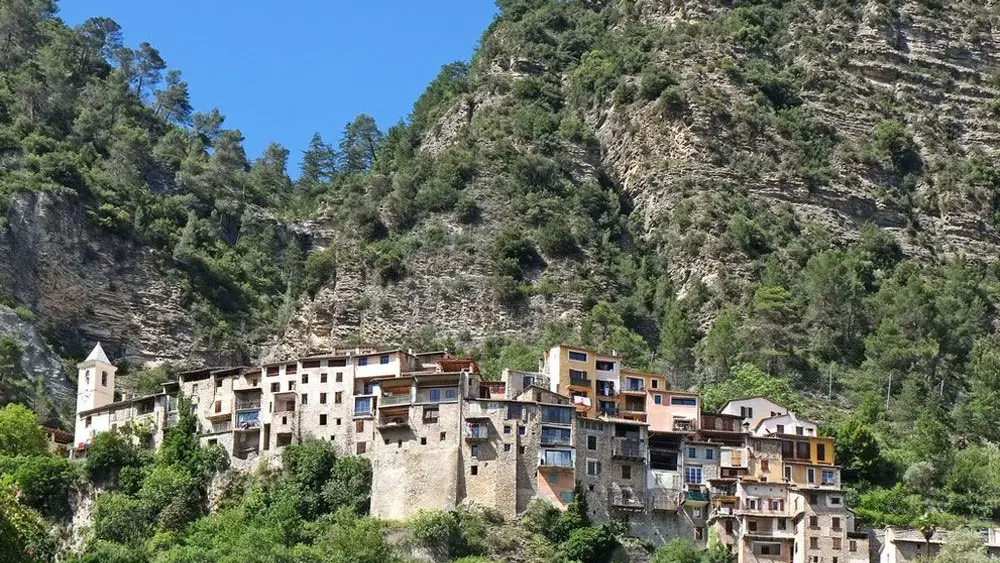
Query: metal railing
point(634, 388)
point(247, 405)
point(477, 432)
point(610, 411)
point(629, 448)
point(393, 400)
point(582, 381)
point(627, 499)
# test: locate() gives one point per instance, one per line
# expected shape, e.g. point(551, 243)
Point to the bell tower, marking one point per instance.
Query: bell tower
point(96, 383)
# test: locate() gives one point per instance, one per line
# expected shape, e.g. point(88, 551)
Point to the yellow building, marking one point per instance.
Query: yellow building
point(591, 379)
point(640, 390)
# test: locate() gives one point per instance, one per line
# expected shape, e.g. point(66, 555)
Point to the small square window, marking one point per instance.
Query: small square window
point(275, 387)
point(322, 378)
point(709, 453)
point(693, 453)
point(338, 397)
point(566, 496)
point(552, 478)
point(520, 430)
point(305, 378)
point(218, 383)
point(359, 426)
point(423, 440)
point(475, 451)
point(322, 420)
point(591, 442)
point(305, 398)
point(361, 448)
point(322, 398)
point(291, 386)
point(626, 472)
point(338, 422)
point(813, 543)
point(362, 361)
point(475, 470)
point(506, 429)
point(506, 447)
point(338, 377)
point(383, 360)
point(443, 436)
point(520, 449)
point(658, 399)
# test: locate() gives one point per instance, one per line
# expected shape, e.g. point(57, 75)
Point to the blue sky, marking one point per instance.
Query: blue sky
point(281, 69)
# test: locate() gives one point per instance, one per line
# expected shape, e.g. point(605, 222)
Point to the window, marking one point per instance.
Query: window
point(430, 415)
point(835, 500)
point(696, 513)
point(434, 395)
point(322, 420)
point(305, 378)
point(810, 475)
point(593, 467)
point(746, 412)
point(577, 356)
point(520, 449)
point(338, 397)
point(752, 524)
point(218, 383)
point(521, 430)
point(305, 398)
point(798, 430)
point(781, 429)
point(194, 388)
point(338, 422)
point(322, 398)
point(576, 375)
point(813, 499)
point(684, 401)
point(813, 543)
point(654, 383)
point(423, 441)
point(814, 521)
point(782, 524)
point(359, 426)
point(322, 378)
point(475, 469)
point(442, 437)
point(693, 453)
point(829, 477)
point(361, 448)
point(765, 466)
point(88, 421)
point(788, 473)
point(837, 543)
point(821, 452)
point(558, 458)
point(729, 526)
point(384, 359)
point(104, 379)
point(591, 442)
point(338, 377)
point(284, 420)
point(709, 453)
point(566, 496)
point(291, 386)
point(699, 533)
point(475, 451)
point(514, 412)
point(852, 545)
point(506, 429)
point(450, 394)
point(770, 549)
point(551, 435)
point(658, 399)
point(506, 447)
point(272, 371)
point(603, 365)
point(275, 387)
point(626, 472)
point(557, 415)
point(692, 475)
point(363, 361)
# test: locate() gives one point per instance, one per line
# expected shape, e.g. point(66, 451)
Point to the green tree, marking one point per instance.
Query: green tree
point(747, 380)
point(20, 433)
point(963, 546)
point(173, 103)
point(319, 162)
point(677, 550)
point(121, 519)
point(360, 145)
point(771, 335)
point(349, 485)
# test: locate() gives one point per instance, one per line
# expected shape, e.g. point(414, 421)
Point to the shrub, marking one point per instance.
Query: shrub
point(555, 239)
point(467, 211)
point(589, 545)
point(108, 454)
point(24, 314)
point(654, 81)
point(672, 102)
point(121, 518)
point(45, 484)
point(320, 267)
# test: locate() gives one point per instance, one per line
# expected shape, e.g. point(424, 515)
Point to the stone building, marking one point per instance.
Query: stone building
point(754, 476)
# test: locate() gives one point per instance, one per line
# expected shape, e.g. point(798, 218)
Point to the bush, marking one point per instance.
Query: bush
point(121, 518)
point(45, 483)
point(350, 485)
point(108, 454)
point(20, 433)
point(319, 268)
point(677, 550)
point(555, 239)
point(654, 81)
point(455, 533)
point(672, 102)
point(589, 545)
point(467, 211)
point(24, 314)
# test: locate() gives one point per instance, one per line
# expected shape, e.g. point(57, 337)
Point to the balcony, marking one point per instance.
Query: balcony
point(580, 382)
point(629, 449)
point(683, 425)
point(248, 405)
point(664, 500)
point(609, 410)
point(395, 400)
point(477, 433)
point(364, 411)
point(696, 498)
point(634, 388)
point(627, 499)
point(557, 460)
point(247, 425)
point(606, 391)
point(635, 408)
point(393, 421)
point(556, 439)
point(219, 412)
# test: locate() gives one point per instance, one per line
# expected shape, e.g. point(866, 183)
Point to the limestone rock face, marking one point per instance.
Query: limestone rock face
point(86, 286)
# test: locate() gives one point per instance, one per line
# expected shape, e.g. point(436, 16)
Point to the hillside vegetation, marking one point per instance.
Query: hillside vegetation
point(797, 198)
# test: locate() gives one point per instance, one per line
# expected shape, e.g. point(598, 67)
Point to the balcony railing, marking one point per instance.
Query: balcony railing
point(248, 405)
point(683, 425)
point(629, 448)
point(394, 421)
point(395, 400)
point(635, 407)
point(557, 461)
point(606, 392)
point(696, 497)
point(580, 381)
point(610, 411)
point(634, 388)
point(665, 500)
point(627, 499)
point(364, 411)
point(247, 425)
point(476, 432)
point(555, 440)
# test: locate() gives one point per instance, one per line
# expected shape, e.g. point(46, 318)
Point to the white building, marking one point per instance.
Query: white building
point(753, 409)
